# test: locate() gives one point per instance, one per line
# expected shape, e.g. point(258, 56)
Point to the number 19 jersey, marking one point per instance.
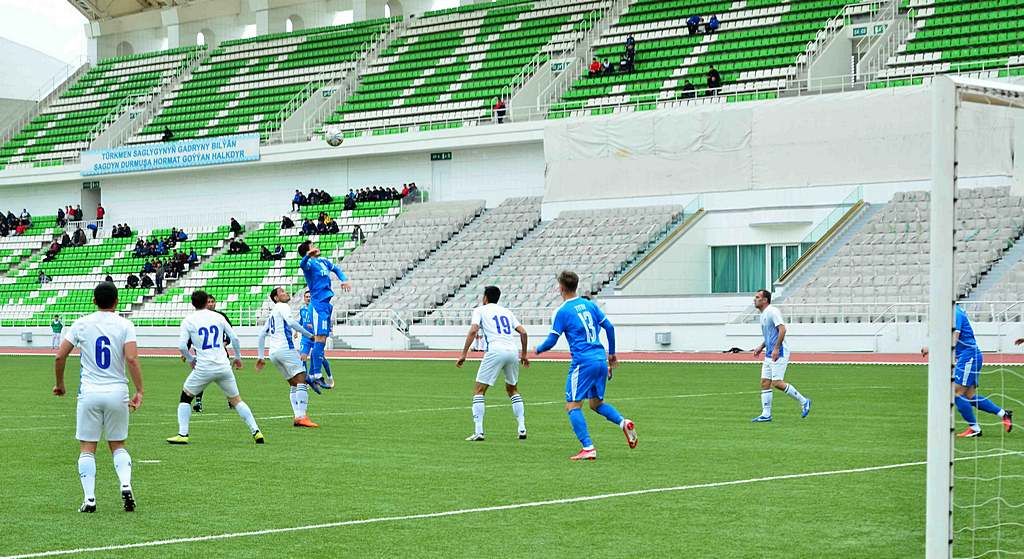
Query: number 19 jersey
point(498, 325)
point(206, 329)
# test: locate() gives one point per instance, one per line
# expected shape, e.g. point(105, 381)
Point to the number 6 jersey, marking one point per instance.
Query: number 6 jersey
point(498, 325)
point(206, 330)
point(100, 337)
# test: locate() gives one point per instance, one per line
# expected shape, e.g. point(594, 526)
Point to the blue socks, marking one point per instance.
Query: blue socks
point(316, 359)
point(985, 405)
point(963, 405)
point(579, 426)
point(327, 366)
point(610, 413)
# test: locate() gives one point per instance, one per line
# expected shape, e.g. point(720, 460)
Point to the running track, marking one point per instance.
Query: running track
point(650, 357)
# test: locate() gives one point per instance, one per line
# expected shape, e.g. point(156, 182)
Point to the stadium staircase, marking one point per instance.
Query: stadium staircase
point(677, 228)
point(255, 84)
point(97, 99)
point(450, 66)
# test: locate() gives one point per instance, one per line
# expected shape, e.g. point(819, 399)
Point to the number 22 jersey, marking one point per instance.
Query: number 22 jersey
point(206, 329)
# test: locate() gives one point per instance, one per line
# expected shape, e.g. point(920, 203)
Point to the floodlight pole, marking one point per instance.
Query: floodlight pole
point(939, 501)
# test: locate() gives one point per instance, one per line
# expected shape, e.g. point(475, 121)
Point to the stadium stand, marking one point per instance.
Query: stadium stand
point(241, 282)
point(15, 249)
point(469, 251)
point(451, 66)
point(399, 247)
point(756, 50)
point(962, 37)
point(527, 271)
point(886, 262)
point(248, 85)
point(71, 122)
point(76, 270)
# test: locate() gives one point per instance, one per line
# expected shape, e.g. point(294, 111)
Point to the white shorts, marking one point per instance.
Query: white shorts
point(102, 413)
point(198, 380)
point(495, 362)
point(287, 361)
point(774, 370)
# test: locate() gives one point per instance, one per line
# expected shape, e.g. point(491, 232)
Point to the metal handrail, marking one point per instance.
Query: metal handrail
point(57, 85)
point(896, 34)
point(832, 28)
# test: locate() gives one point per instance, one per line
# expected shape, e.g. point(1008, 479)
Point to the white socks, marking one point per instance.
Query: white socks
point(795, 394)
point(519, 410)
point(478, 414)
point(184, 414)
point(87, 473)
point(300, 400)
point(123, 467)
point(766, 402)
point(246, 414)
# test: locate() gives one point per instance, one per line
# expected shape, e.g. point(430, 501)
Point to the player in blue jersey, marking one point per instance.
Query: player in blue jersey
point(776, 358)
point(579, 319)
point(965, 377)
point(317, 271)
point(306, 344)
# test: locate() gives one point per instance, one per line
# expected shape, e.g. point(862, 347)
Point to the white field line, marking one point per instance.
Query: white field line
point(234, 417)
point(495, 508)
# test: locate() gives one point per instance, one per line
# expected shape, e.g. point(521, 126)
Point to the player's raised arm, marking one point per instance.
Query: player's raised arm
point(470, 336)
point(345, 283)
point(131, 360)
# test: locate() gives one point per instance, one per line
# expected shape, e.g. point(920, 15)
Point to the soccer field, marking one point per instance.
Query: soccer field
point(848, 481)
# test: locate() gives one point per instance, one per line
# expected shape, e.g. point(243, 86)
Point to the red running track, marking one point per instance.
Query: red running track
point(651, 356)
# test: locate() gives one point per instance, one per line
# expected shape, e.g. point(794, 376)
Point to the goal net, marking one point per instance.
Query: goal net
point(975, 486)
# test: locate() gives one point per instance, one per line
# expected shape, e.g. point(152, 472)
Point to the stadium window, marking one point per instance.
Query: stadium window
point(738, 269)
point(782, 258)
point(387, 9)
point(343, 17)
point(293, 23)
point(250, 30)
point(288, 27)
point(124, 48)
point(200, 38)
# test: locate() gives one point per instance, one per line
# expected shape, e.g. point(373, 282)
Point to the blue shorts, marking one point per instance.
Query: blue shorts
point(586, 380)
point(968, 366)
point(321, 317)
point(306, 346)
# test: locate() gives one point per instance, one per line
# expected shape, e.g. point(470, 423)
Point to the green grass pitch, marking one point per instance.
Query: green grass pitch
point(391, 445)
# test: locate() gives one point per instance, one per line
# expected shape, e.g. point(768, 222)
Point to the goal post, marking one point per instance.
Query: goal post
point(949, 95)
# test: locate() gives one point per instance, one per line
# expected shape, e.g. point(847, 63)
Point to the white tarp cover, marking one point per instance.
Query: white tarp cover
point(851, 138)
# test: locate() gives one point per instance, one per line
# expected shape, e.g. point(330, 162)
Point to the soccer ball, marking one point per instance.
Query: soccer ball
point(333, 136)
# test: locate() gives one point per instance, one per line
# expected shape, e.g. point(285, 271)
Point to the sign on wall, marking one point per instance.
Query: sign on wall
point(441, 156)
point(171, 155)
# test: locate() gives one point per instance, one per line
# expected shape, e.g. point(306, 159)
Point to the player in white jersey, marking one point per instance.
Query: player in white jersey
point(210, 364)
point(503, 354)
point(278, 331)
point(776, 358)
point(107, 345)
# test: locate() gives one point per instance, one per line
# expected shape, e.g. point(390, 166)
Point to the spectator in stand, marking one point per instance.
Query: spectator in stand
point(93, 228)
point(351, 194)
point(357, 233)
point(298, 200)
point(286, 222)
point(61, 217)
point(161, 248)
point(278, 253)
point(12, 220)
point(159, 278)
point(689, 92)
point(4, 230)
point(264, 253)
point(108, 279)
point(331, 225)
point(20, 229)
point(236, 227)
point(25, 216)
point(145, 282)
point(182, 236)
point(238, 247)
point(499, 110)
point(693, 24)
point(65, 240)
point(595, 67)
point(132, 282)
point(147, 267)
point(325, 197)
point(712, 25)
point(79, 239)
point(100, 212)
point(43, 278)
point(350, 203)
point(168, 135)
point(630, 41)
point(79, 214)
point(321, 226)
point(52, 252)
point(625, 64)
point(193, 257)
point(308, 228)
point(714, 81)
point(140, 249)
point(606, 68)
